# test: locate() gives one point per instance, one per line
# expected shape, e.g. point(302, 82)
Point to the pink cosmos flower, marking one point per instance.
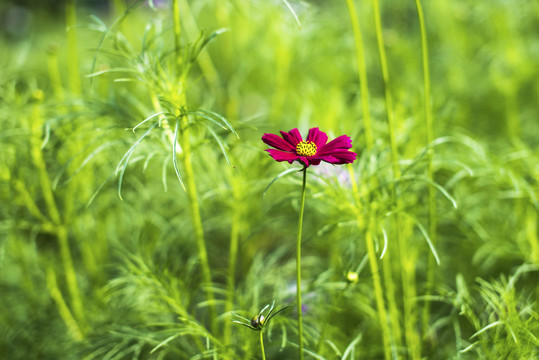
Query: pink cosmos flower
point(291, 147)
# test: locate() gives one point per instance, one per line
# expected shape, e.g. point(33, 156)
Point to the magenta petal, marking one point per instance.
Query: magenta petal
point(329, 159)
point(339, 157)
point(334, 152)
point(279, 155)
point(277, 142)
point(305, 161)
point(293, 137)
point(343, 142)
point(318, 137)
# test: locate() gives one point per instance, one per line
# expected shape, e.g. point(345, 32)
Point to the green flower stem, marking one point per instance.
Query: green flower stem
point(177, 35)
point(298, 265)
point(63, 309)
point(407, 297)
point(373, 262)
point(262, 345)
point(430, 167)
point(233, 253)
point(59, 228)
point(362, 71)
point(73, 53)
point(194, 209)
point(54, 73)
point(179, 98)
point(531, 234)
point(204, 60)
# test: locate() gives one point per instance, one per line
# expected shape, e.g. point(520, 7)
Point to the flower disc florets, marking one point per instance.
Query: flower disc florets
point(306, 148)
point(291, 147)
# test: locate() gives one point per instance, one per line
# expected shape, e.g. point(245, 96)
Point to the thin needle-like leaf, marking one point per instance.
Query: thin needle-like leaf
point(293, 12)
point(221, 144)
point(279, 176)
point(384, 249)
point(174, 154)
point(436, 185)
point(164, 342)
point(351, 346)
point(87, 159)
point(149, 118)
point(489, 326)
point(122, 165)
point(427, 237)
point(94, 195)
point(213, 117)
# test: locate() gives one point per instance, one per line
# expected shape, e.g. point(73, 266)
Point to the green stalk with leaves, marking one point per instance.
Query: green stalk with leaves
point(60, 230)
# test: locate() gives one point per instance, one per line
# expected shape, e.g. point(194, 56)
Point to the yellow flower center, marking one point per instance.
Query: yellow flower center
point(306, 148)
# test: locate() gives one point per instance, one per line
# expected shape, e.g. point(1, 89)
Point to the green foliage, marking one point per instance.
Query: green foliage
point(168, 112)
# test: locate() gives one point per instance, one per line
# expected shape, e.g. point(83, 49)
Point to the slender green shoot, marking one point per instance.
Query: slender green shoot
point(430, 155)
point(261, 334)
point(362, 73)
point(73, 63)
point(395, 313)
point(298, 266)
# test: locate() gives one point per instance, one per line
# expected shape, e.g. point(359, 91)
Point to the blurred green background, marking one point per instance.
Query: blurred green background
point(87, 275)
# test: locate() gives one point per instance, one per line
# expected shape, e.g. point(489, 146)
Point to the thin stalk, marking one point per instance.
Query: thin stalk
point(373, 263)
point(190, 183)
point(54, 73)
point(298, 266)
point(262, 346)
point(119, 8)
point(408, 295)
point(531, 234)
point(196, 219)
point(73, 57)
point(60, 230)
point(204, 59)
point(362, 72)
point(430, 165)
point(394, 162)
point(63, 309)
point(387, 90)
point(177, 35)
point(233, 253)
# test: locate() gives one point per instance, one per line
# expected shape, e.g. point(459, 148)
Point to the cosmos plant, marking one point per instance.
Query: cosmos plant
point(258, 322)
point(291, 147)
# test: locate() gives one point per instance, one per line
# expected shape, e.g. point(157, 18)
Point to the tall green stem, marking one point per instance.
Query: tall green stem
point(196, 220)
point(177, 35)
point(73, 62)
point(430, 166)
point(394, 312)
point(298, 265)
point(233, 253)
point(179, 98)
point(362, 72)
point(373, 262)
point(36, 122)
point(407, 269)
point(262, 346)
